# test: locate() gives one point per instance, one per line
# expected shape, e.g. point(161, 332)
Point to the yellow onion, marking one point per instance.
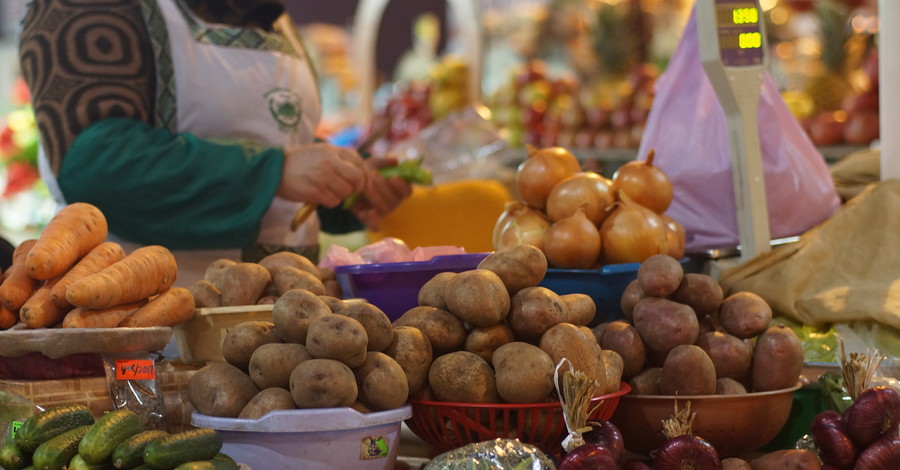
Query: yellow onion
point(541, 171)
point(631, 233)
point(586, 190)
point(644, 183)
point(523, 226)
point(572, 242)
point(675, 237)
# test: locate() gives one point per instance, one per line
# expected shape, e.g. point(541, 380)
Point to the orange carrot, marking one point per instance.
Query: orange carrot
point(81, 317)
point(74, 231)
point(100, 257)
point(17, 284)
point(8, 318)
point(170, 308)
point(144, 272)
point(39, 311)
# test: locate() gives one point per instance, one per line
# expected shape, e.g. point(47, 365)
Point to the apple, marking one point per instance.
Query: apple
point(861, 128)
point(827, 128)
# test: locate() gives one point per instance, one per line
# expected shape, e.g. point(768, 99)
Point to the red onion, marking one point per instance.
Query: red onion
point(606, 434)
point(875, 413)
point(589, 457)
point(829, 433)
point(636, 465)
point(686, 451)
point(883, 454)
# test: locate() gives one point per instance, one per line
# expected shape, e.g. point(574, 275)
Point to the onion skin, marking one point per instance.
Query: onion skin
point(606, 434)
point(829, 433)
point(883, 454)
point(645, 184)
point(589, 457)
point(875, 413)
point(572, 242)
point(541, 171)
point(636, 465)
point(631, 234)
point(587, 190)
point(523, 226)
point(683, 452)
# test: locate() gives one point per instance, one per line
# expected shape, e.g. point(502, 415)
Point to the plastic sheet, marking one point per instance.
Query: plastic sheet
point(492, 455)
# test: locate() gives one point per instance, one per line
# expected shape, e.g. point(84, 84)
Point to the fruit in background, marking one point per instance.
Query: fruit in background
point(827, 128)
point(861, 128)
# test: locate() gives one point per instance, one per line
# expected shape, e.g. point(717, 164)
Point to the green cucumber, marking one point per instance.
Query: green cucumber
point(175, 449)
point(78, 463)
point(212, 464)
point(12, 458)
point(130, 453)
point(56, 453)
point(108, 432)
point(50, 423)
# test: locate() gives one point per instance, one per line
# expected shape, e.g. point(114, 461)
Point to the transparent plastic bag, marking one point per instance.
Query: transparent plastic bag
point(490, 455)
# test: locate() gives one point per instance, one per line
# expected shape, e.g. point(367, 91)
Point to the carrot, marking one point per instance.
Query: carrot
point(100, 257)
point(74, 231)
point(17, 285)
point(144, 272)
point(170, 308)
point(39, 311)
point(8, 318)
point(81, 317)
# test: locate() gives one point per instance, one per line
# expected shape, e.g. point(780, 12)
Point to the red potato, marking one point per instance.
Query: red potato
point(731, 355)
point(791, 459)
point(744, 314)
point(660, 275)
point(664, 324)
point(777, 359)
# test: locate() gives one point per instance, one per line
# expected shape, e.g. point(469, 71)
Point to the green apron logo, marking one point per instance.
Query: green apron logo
point(284, 105)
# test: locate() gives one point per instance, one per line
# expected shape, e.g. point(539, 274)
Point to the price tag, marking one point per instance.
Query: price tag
point(135, 369)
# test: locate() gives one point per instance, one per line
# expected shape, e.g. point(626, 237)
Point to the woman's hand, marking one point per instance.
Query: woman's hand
point(322, 174)
point(381, 195)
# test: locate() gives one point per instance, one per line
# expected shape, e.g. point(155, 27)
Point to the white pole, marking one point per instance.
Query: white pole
point(889, 91)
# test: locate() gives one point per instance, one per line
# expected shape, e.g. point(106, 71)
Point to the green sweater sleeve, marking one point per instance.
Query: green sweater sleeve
point(176, 190)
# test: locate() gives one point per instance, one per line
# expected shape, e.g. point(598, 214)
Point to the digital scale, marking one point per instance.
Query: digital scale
point(733, 53)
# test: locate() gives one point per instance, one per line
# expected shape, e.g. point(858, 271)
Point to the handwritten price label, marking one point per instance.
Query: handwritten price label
point(135, 369)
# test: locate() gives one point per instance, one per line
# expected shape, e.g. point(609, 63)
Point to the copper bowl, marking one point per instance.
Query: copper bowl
point(733, 424)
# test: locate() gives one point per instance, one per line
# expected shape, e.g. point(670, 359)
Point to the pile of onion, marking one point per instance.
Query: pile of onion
point(683, 449)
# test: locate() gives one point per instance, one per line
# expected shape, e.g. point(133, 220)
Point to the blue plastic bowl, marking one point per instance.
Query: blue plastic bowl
point(605, 285)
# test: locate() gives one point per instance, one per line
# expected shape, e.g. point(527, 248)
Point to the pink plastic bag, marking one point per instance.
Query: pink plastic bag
point(686, 128)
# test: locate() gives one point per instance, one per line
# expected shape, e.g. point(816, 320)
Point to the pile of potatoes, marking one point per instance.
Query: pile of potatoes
point(492, 335)
point(681, 335)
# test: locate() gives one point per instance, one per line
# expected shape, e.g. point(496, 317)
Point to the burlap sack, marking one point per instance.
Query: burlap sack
point(845, 269)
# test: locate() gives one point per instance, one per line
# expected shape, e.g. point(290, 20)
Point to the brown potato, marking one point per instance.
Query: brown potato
point(535, 310)
point(646, 382)
point(613, 366)
point(524, 373)
point(215, 272)
point(463, 377)
point(701, 292)
point(267, 300)
point(242, 339)
point(274, 262)
point(377, 324)
point(580, 308)
point(206, 294)
point(728, 386)
point(444, 330)
point(293, 312)
point(327, 274)
point(519, 266)
point(485, 340)
point(334, 303)
point(621, 337)
point(333, 288)
point(789, 459)
point(244, 284)
point(269, 399)
point(731, 355)
point(477, 296)
point(688, 370)
point(777, 359)
point(337, 337)
point(431, 294)
point(289, 277)
point(566, 340)
point(734, 463)
point(381, 382)
point(271, 364)
point(412, 350)
point(659, 275)
point(361, 407)
point(630, 297)
point(744, 314)
point(664, 324)
point(220, 389)
point(323, 383)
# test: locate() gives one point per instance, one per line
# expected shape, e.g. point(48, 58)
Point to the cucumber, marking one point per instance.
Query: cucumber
point(215, 463)
point(56, 453)
point(78, 463)
point(12, 458)
point(109, 431)
point(51, 423)
point(175, 449)
point(130, 453)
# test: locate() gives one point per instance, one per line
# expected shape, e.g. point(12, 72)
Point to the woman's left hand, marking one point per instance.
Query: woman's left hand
point(381, 195)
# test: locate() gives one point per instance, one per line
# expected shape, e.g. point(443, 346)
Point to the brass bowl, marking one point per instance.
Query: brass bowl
point(733, 424)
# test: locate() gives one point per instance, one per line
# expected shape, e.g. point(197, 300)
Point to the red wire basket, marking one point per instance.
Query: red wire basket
point(446, 425)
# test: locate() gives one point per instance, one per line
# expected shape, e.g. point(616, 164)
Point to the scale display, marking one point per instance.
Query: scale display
point(740, 33)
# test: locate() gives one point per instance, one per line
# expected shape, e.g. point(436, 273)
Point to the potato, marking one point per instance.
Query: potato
point(777, 359)
point(565, 340)
point(477, 296)
point(206, 294)
point(274, 262)
point(289, 277)
point(327, 274)
point(734, 463)
point(646, 382)
point(293, 312)
point(431, 294)
point(267, 300)
point(659, 275)
point(242, 339)
point(333, 303)
point(361, 407)
point(337, 337)
point(731, 355)
point(220, 389)
point(744, 314)
point(789, 459)
point(524, 372)
point(271, 364)
point(613, 366)
point(381, 382)
point(535, 310)
point(728, 386)
point(444, 330)
point(323, 383)
point(463, 377)
point(580, 308)
point(688, 370)
point(244, 284)
point(267, 400)
point(700, 292)
point(215, 272)
point(378, 326)
point(485, 340)
point(621, 337)
point(664, 324)
point(519, 266)
point(333, 288)
point(412, 350)
point(630, 297)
